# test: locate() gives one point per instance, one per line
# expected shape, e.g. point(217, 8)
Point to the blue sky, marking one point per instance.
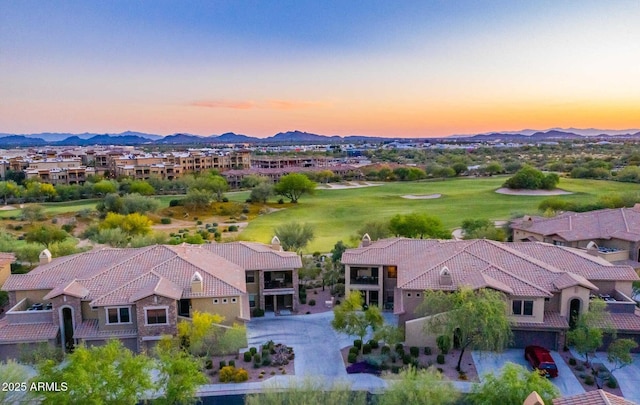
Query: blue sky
point(425, 68)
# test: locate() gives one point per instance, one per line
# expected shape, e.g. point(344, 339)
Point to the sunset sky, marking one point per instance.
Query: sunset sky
point(351, 67)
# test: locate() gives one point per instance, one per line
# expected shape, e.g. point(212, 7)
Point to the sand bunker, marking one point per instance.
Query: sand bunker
point(509, 191)
point(7, 208)
point(342, 186)
point(421, 197)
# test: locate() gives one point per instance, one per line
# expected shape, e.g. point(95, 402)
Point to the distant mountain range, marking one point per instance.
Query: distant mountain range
point(292, 137)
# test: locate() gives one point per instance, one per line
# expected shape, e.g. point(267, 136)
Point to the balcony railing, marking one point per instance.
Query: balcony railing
point(364, 280)
point(275, 284)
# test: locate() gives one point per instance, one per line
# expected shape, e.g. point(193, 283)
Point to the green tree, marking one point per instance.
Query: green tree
point(418, 225)
point(141, 187)
point(46, 235)
point(350, 317)
point(104, 187)
point(262, 192)
point(131, 224)
point(213, 183)
point(512, 386)
point(478, 319)
point(294, 236)
point(375, 229)
point(197, 199)
point(590, 328)
point(29, 252)
point(418, 387)
point(9, 189)
point(108, 374)
point(253, 180)
point(493, 168)
point(459, 168)
point(12, 372)
point(338, 249)
point(530, 178)
point(619, 353)
point(389, 334)
point(180, 375)
point(294, 185)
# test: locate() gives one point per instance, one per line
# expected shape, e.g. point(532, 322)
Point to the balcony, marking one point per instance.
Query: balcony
point(366, 280)
point(26, 312)
point(277, 284)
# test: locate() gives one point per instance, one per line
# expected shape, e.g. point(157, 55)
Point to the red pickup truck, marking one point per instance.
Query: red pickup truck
point(541, 360)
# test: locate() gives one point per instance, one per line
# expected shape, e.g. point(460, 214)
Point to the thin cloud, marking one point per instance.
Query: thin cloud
point(264, 105)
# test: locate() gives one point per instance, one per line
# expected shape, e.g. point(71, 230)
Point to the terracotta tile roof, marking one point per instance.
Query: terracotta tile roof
point(521, 269)
point(552, 320)
point(620, 223)
point(27, 332)
point(255, 256)
point(598, 397)
point(625, 322)
point(88, 329)
point(132, 274)
point(7, 258)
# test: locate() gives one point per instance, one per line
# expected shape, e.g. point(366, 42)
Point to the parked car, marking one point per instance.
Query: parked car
point(541, 360)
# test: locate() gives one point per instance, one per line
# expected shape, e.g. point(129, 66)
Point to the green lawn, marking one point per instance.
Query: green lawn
point(337, 214)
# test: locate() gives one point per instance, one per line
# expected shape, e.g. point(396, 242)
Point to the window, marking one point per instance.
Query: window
point(118, 315)
point(250, 277)
point(520, 307)
point(252, 300)
point(156, 316)
point(392, 272)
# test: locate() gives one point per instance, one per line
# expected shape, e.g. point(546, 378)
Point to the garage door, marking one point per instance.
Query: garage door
point(524, 338)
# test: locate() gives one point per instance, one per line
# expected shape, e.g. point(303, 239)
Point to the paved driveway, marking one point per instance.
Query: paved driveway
point(628, 377)
point(487, 362)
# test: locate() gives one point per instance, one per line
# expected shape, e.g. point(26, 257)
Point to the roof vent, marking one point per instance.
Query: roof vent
point(45, 256)
point(445, 276)
point(275, 243)
point(366, 240)
point(196, 283)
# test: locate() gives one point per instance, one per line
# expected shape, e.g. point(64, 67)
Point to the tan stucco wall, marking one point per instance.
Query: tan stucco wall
point(538, 310)
point(625, 287)
point(33, 296)
point(570, 293)
point(253, 288)
point(102, 320)
point(415, 334)
point(5, 272)
point(230, 311)
point(553, 305)
point(87, 312)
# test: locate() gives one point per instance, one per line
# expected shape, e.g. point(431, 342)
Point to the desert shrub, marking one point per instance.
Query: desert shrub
point(281, 355)
point(440, 359)
point(253, 351)
point(165, 220)
point(444, 343)
point(233, 228)
point(257, 358)
point(395, 369)
point(399, 346)
point(241, 375)
point(208, 364)
point(312, 302)
point(427, 350)
point(385, 349)
point(227, 374)
point(225, 199)
point(366, 349)
point(572, 361)
point(266, 359)
point(415, 351)
point(68, 227)
point(612, 383)
point(374, 344)
point(175, 203)
point(232, 363)
point(357, 343)
point(280, 201)
point(354, 350)
point(257, 312)
point(247, 357)
point(223, 364)
point(589, 380)
point(579, 367)
point(352, 358)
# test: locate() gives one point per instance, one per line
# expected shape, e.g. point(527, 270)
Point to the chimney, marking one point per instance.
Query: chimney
point(445, 276)
point(196, 283)
point(366, 240)
point(275, 244)
point(45, 256)
point(636, 207)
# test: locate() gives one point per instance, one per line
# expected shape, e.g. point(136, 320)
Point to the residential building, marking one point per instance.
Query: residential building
point(5, 266)
point(597, 397)
point(271, 274)
point(138, 295)
point(547, 286)
point(613, 234)
point(58, 171)
point(235, 177)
